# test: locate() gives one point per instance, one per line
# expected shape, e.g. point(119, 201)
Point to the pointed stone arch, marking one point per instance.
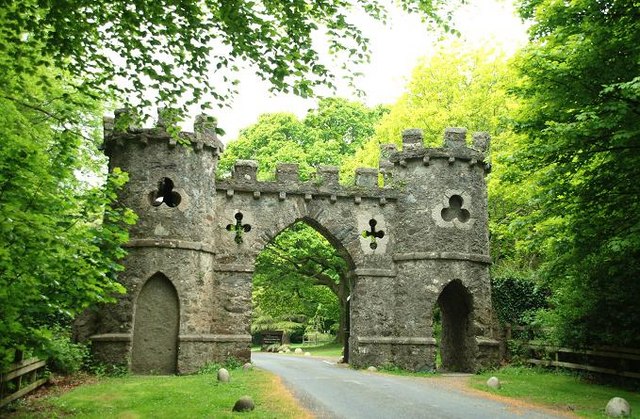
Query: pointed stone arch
point(327, 231)
point(156, 327)
point(457, 343)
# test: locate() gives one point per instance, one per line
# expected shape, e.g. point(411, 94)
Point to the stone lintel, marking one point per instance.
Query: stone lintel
point(230, 267)
point(482, 341)
point(396, 340)
point(470, 257)
point(112, 337)
point(215, 338)
point(375, 272)
point(171, 244)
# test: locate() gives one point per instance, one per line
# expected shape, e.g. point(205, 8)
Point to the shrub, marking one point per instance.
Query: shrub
point(64, 356)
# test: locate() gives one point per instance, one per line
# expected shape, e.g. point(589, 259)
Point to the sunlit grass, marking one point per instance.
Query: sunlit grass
point(194, 396)
point(330, 349)
point(558, 389)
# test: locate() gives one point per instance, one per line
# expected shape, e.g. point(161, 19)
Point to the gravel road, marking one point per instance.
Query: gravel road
point(337, 391)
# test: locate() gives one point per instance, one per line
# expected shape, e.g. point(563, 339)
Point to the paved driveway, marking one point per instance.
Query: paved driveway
point(337, 391)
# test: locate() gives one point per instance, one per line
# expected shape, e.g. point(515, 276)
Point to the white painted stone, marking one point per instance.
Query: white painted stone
point(307, 354)
point(618, 407)
point(494, 383)
point(298, 351)
point(223, 375)
point(247, 366)
point(372, 369)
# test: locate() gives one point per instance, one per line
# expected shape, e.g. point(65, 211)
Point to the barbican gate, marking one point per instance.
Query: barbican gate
point(191, 255)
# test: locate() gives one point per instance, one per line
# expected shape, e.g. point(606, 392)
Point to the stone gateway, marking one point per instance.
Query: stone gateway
point(418, 242)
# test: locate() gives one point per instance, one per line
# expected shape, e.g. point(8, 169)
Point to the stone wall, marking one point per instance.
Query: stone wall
point(204, 236)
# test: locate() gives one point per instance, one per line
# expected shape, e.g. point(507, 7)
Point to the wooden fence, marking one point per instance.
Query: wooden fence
point(621, 362)
point(21, 378)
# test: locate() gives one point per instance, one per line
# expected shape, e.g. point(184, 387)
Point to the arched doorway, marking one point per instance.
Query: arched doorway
point(456, 304)
point(155, 329)
point(301, 286)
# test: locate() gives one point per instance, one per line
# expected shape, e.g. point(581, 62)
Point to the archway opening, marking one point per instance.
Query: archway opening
point(155, 329)
point(301, 289)
point(455, 307)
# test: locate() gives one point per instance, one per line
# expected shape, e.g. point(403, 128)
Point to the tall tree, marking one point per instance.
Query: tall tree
point(60, 237)
point(455, 87)
point(580, 88)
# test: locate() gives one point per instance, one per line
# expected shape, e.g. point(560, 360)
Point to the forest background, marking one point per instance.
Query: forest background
point(564, 115)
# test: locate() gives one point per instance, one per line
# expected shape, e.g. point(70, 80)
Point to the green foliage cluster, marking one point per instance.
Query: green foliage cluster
point(455, 87)
point(517, 301)
point(64, 356)
point(579, 88)
point(326, 136)
point(60, 232)
point(179, 49)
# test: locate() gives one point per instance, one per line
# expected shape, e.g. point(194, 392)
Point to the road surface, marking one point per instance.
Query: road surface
point(336, 391)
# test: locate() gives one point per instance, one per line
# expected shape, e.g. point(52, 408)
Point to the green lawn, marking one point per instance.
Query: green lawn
point(559, 389)
point(325, 349)
point(194, 396)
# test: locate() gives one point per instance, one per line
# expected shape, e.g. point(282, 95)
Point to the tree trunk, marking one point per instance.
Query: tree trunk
point(343, 293)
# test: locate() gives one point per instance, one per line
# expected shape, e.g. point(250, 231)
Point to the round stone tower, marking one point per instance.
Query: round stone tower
point(441, 251)
point(168, 268)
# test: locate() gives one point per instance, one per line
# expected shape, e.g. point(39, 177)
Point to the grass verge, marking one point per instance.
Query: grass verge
point(193, 396)
point(327, 349)
point(562, 390)
point(331, 349)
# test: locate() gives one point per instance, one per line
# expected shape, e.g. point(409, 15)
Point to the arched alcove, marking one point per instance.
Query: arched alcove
point(156, 326)
point(306, 252)
point(456, 306)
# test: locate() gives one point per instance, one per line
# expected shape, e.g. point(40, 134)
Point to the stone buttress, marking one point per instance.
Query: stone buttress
point(417, 246)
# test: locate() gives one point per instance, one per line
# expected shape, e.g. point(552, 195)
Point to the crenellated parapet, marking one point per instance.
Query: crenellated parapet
point(414, 234)
point(324, 185)
point(125, 127)
point(455, 148)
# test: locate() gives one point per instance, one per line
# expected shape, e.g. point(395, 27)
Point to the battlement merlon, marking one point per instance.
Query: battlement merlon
point(287, 183)
point(125, 126)
point(455, 148)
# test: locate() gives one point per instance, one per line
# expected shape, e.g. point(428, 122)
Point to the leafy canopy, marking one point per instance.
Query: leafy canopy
point(180, 49)
point(60, 237)
point(327, 135)
point(580, 93)
point(455, 87)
